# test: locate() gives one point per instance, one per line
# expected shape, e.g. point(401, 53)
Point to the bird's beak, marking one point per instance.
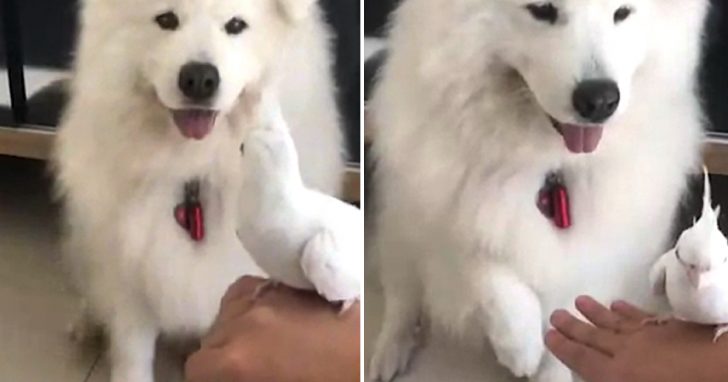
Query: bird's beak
point(698, 279)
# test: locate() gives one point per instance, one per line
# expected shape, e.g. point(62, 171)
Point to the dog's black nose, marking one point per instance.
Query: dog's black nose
point(198, 81)
point(596, 100)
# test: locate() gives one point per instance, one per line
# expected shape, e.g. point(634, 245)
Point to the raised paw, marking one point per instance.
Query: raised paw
point(521, 355)
point(392, 357)
point(131, 377)
point(552, 370)
point(512, 322)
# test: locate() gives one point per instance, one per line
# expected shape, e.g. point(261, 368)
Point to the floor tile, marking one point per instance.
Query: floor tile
point(440, 359)
point(168, 366)
point(36, 306)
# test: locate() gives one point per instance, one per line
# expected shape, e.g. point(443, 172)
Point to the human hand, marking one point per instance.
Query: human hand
point(618, 347)
point(284, 335)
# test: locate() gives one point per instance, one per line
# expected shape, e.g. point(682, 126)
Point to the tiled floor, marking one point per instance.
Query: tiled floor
point(36, 306)
point(440, 359)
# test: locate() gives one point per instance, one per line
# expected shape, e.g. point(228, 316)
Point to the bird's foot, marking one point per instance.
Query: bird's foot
point(346, 305)
point(660, 320)
point(720, 330)
point(261, 289)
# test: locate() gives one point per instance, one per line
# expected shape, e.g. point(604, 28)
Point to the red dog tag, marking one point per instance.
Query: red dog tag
point(553, 202)
point(562, 214)
point(189, 214)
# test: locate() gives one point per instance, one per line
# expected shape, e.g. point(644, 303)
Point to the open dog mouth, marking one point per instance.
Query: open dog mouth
point(194, 123)
point(579, 139)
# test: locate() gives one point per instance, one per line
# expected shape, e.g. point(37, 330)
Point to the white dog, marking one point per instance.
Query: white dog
point(528, 152)
point(147, 155)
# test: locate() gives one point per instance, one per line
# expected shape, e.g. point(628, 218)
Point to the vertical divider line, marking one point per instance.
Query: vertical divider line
point(14, 59)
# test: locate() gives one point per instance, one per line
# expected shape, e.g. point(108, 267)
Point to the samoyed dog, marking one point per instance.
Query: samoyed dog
point(527, 152)
point(147, 156)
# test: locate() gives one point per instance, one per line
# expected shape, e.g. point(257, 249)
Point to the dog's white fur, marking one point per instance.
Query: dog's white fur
point(122, 163)
point(464, 144)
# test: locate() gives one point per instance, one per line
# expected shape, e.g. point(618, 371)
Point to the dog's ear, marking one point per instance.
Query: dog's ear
point(295, 10)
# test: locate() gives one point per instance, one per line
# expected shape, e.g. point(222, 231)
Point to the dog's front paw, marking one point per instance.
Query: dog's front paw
point(513, 322)
point(131, 373)
point(520, 354)
point(391, 357)
point(552, 370)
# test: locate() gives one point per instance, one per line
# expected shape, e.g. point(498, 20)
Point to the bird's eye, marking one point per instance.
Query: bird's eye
point(236, 26)
point(242, 148)
point(693, 267)
point(544, 11)
point(677, 254)
point(167, 21)
point(622, 13)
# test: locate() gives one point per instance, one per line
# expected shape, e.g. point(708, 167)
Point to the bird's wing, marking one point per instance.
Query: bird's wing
point(658, 273)
point(331, 269)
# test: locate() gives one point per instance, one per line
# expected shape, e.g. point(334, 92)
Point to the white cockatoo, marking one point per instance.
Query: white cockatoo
point(300, 237)
point(694, 274)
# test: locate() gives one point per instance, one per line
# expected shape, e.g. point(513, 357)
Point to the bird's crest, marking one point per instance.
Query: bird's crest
point(698, 244)
point(708, 211)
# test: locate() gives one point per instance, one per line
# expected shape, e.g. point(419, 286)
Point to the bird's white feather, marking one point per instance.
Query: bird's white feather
point(695, 272)
point(300, 237)
point(658, 273)
point(332, 272)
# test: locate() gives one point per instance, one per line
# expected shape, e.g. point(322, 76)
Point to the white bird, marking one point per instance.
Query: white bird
point(300, 237)
point(694, 274)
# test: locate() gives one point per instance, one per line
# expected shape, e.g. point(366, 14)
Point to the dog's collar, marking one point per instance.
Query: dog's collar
point(553, 201)
point(189, 214)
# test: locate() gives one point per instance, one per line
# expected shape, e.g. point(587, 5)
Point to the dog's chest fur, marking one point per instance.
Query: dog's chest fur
point(124, 216)
point(474, 201)
point(183, 280)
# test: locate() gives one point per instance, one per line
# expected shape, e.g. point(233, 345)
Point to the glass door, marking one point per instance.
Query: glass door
point(715, 69)
point(35, 54)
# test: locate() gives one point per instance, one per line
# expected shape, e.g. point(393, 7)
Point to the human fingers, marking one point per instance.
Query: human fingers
point(244, 287)
point(588, 363)
point(630, 311)
point(604, 341)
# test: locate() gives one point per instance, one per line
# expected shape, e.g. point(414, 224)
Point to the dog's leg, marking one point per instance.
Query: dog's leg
point(132, 346)
point(398, 338)
point(552, 370)
point(85, 329)
point(512, 321)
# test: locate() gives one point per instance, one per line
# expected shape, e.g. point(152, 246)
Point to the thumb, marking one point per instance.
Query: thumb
point(218, 365)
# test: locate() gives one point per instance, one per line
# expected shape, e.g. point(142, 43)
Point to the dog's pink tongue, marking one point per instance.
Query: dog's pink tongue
point(581, 139)
point(194, 124)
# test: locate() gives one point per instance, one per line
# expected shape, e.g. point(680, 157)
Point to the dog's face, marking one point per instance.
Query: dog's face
point(198, 56)
point(577, 57)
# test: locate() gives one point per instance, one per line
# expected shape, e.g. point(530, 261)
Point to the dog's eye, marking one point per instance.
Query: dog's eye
point(546, 12)
point(622, 14)
point(167, 21)
point(235, 26)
